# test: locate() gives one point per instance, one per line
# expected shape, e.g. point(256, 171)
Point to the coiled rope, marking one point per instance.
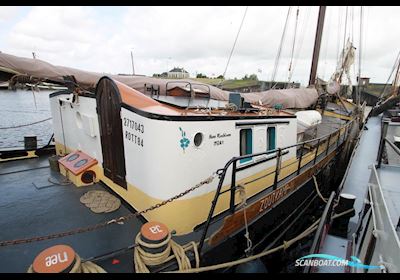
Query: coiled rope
point(142, 259)
point(80, 267)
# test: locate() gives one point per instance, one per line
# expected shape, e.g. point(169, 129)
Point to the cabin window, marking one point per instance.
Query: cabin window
point(271, 138)
point(246, 143)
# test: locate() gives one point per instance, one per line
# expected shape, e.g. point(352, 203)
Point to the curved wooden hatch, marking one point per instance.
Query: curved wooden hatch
point(108, 100)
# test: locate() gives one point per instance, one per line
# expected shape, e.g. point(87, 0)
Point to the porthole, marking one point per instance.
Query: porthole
point(198, 139)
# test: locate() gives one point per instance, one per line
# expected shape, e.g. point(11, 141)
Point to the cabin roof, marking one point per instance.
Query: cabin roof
point(139, 101)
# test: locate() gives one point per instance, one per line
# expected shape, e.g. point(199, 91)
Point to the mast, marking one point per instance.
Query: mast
point(317, 45)
point(133, 66)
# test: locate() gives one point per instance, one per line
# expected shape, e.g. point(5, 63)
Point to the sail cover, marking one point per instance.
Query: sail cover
point(288, 98)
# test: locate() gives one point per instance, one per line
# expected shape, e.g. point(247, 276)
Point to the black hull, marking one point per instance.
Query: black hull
point(282, 222)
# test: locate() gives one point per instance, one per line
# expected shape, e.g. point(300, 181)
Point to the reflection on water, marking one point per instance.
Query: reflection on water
point(23, 107)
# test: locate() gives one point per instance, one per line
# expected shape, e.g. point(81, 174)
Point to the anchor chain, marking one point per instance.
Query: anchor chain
point(119, 220)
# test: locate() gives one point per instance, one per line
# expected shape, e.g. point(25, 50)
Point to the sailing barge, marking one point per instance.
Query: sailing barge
point(147, 150)
point(209, 179)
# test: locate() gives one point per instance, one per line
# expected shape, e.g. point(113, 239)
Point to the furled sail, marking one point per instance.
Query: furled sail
point(346, 60)
point(288, 98)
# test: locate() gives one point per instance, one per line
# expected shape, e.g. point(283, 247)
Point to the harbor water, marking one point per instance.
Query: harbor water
point(20, 108)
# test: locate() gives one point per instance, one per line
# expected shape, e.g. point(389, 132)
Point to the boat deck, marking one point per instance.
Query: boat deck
point(32, 206)
point(389, 178)
point(355, 183)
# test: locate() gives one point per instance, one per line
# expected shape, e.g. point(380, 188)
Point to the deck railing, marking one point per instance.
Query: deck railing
point(384, 140)
point(322, 229)
point(271, 154)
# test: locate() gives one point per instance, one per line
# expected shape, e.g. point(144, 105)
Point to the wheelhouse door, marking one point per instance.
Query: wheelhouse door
point(108, 101)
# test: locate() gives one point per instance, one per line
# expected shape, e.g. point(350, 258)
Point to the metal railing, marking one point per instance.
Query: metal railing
point(384, 140)
point(323, 225)
point(387, 240)
point(277, 154)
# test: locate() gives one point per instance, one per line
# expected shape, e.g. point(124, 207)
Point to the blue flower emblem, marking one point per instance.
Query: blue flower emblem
point(184, 142)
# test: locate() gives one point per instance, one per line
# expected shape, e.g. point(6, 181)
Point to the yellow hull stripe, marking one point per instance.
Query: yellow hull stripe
point(196, 209)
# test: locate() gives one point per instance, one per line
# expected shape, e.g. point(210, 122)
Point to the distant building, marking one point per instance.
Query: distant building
point(363, 81)
point(177, 73)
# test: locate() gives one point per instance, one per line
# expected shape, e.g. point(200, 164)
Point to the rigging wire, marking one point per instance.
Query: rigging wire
point(303, 29)
point(345, 33)
point(233, 47)
point(326, 44)
point(293, 45)
point(352, 24)
point(395, 83)
point(390, 76)
point(360, 56)
point(360, 45)
point(340, 21)
point(277, 58)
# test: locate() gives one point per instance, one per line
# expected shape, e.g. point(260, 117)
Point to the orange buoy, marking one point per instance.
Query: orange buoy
point(56, 259)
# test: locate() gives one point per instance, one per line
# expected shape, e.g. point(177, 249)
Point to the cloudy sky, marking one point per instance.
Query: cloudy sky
point(200, 39)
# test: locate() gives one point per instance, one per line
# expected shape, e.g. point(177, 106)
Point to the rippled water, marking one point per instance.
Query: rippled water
point(18, 108)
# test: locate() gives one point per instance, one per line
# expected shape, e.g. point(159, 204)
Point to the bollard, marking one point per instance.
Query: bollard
point(154, 233)
point(30, 143)
point(56, 259)
point(340, 225)
point(53, 161)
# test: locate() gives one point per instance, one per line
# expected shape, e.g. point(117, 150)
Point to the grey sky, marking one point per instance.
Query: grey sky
point(198, 38)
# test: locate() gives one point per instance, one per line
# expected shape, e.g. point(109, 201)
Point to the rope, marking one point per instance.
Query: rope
point(317, 189)
point(284, 245)
point(243, 198)
point(28, 124)
point(80, 267)
point(142, 259)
